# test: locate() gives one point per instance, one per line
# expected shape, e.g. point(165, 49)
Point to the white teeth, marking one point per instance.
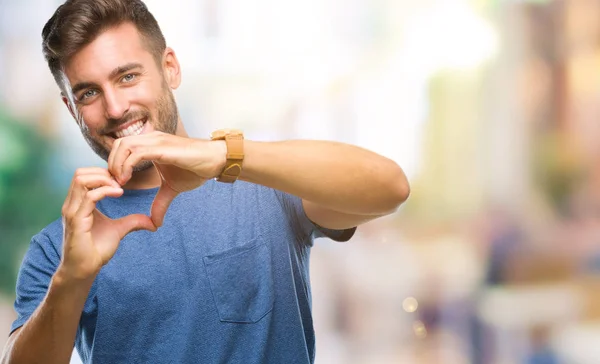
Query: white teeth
point(134, 129)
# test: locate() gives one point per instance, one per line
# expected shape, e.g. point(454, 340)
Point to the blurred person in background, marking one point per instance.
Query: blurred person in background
point(225, 278)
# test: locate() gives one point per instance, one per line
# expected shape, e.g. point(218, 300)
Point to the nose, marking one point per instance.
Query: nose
point(115, 104)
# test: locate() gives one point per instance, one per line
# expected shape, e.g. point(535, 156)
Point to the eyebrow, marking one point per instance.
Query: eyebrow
point(117, 71)
point(125, 68)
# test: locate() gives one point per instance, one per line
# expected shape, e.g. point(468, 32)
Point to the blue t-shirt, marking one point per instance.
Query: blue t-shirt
point(224, 280)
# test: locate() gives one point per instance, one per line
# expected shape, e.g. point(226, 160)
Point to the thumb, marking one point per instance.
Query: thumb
point(134, 222)
point(162, 201)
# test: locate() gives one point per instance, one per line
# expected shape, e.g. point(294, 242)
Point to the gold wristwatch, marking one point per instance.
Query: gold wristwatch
point(234, 139)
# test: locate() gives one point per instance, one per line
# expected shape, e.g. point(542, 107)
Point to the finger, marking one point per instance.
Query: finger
point(161, 203)
point(119, 153)
point(134, 222)
point(111, 155)
point(143, 147)
point(83, 183)
point(88, 203)
point(83, 172)
point(146, 150)
point(141, 153)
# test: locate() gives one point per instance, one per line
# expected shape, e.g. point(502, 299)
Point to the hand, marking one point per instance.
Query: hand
point(183, 164)
point(90, 238)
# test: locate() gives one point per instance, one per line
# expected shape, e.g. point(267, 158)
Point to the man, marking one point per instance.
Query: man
point(218, 273)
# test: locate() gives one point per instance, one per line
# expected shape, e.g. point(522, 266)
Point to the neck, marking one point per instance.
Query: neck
point(150, 178)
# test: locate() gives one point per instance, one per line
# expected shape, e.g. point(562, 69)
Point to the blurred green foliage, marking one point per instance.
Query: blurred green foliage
point(28, 202)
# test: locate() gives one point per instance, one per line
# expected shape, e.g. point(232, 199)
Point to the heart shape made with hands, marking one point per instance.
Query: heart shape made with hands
point(182, 163)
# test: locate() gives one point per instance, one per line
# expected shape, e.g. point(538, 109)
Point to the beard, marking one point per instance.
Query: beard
point(166, 122)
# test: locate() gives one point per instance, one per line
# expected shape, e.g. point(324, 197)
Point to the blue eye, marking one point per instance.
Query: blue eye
point(88, 94)
point(128, 78)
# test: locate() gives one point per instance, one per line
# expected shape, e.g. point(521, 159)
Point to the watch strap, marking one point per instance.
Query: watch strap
point(234, 140)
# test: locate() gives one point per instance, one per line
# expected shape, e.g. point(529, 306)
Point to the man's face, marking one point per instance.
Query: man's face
point(119, 90)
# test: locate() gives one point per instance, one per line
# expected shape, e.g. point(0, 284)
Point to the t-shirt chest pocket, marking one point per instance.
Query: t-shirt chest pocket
point(241, 282)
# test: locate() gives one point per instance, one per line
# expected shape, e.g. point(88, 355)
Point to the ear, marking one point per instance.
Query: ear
point(171, 68)
point(68, 105)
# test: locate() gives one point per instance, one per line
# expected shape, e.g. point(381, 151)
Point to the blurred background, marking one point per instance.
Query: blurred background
point(491, 107)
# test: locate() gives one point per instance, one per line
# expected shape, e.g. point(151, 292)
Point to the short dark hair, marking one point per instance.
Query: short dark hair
point(76, 23)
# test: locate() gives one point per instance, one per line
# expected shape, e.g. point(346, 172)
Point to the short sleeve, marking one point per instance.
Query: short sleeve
point(295, 210)
point(39, 264)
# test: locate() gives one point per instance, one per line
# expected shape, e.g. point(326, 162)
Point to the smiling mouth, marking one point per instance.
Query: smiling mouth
point(133, 129)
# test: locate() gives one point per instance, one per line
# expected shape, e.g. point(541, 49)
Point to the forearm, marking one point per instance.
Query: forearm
point(338, 176)
point(49, 335)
